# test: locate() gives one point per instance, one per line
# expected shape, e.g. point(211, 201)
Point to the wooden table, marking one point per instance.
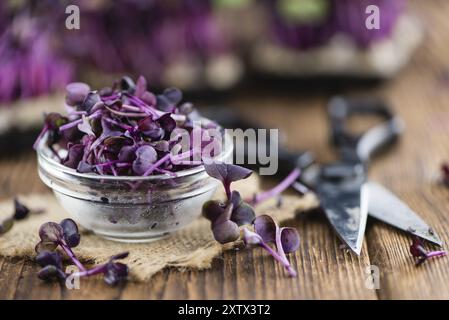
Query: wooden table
point(420, 95)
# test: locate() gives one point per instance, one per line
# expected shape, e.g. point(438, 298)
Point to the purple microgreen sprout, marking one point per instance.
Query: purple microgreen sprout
point(226, 217)
point(66, 236)
point(227, 173)
point(266, 231)
point(53, 235)
point(20, 212)
point(421, 254)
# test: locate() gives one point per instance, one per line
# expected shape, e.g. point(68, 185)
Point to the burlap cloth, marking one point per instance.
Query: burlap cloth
point(190, 248)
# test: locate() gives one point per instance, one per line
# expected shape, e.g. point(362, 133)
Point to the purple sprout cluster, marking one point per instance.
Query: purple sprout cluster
point(147, 37)
point(421, 254)
point(21, 212)
point(29, 63)
point(127, 130)
point(336, 17)
point(227, 217)
point(65, 235)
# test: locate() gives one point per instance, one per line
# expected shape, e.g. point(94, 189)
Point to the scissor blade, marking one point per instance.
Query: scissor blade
point(347, 211)
point(385, 206)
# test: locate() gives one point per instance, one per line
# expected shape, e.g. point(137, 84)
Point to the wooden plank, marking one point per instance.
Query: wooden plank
point(420, 98)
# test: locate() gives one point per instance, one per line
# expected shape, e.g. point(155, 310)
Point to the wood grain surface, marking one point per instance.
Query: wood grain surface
point(420, 95)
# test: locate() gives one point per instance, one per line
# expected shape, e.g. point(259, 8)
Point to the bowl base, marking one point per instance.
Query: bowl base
point(133, 240)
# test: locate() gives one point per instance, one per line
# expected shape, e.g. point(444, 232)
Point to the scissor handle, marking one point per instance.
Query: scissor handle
point(359, 148)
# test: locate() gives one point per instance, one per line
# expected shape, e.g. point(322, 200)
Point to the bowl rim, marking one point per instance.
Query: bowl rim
point(41, 148)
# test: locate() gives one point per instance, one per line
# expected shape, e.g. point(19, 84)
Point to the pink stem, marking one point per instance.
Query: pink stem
point(72, 256)
point(284, 184)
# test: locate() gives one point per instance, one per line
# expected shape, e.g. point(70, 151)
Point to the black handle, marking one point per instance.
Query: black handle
point(362, 147)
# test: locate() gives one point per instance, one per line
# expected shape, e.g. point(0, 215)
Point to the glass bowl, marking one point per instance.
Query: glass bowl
point(128, 208)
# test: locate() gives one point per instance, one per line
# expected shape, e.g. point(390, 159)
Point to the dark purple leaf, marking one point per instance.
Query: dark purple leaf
point(226, 231)
point(213, 209)
point(51, 272)
point(173, 95)
point(84, 167)
point(266, 227)
point(289, 239)
point(20, 210)
point(127, 153)
point(76, 92)
point(51, 232)
point(127, 84)
point(52, 258)
point(167, 123)
point(119, 256)
point(115, 144)
point(150, 128)
point(115, 273)
point(161, 145)
point(74, 156)
point(89, 102)
point(227, 173)
point(71, 234)
point(243, 214)
point(145, 157)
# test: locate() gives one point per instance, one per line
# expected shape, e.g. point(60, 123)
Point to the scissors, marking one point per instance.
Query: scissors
point(346, 195)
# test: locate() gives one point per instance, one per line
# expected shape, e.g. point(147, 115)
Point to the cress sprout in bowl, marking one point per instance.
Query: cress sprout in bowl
point(126, 130)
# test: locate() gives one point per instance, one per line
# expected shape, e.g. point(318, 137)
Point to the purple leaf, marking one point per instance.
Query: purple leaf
point(243, 214)
point(51, 232)
point(150, 128)
point(84, 167)
point(20, 210)
point(226, 231)
point(213, 209)
point(89, 102)
point(141, 87)
point(127, 84)
point(46, 258)
point(76, 92)
point(115, 273)
point(127, 153)
point(161, 145)
point(166, 122)
point(289, 239)
point(266, 227)
point(74, 156)
point(145, 157)
point(173, 95)
point(226, 173)
point(50, 272)
point(71, 234)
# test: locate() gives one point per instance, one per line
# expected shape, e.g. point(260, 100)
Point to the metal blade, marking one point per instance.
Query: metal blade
point(347, 211)
point(385, 206)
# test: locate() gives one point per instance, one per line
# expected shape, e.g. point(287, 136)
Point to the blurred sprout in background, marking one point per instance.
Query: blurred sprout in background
point(196, 44)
